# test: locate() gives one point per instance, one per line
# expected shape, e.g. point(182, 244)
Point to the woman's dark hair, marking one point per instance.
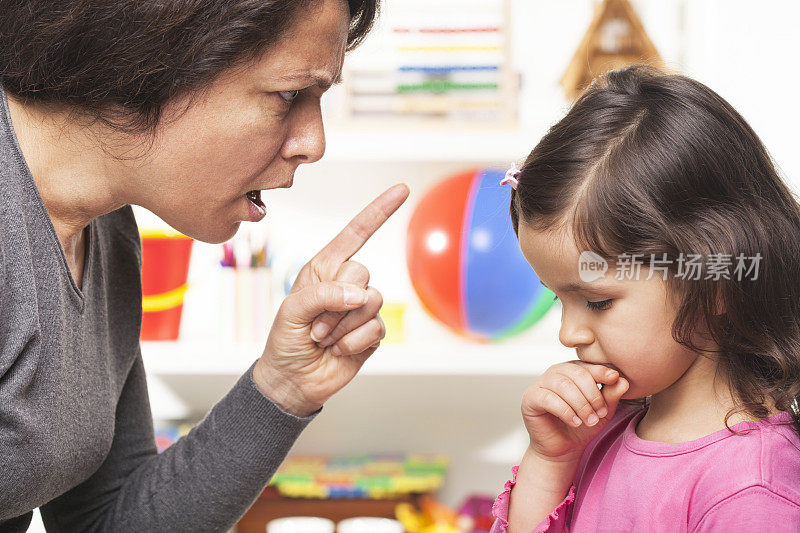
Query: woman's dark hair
point(120, 61)
point(652, 163)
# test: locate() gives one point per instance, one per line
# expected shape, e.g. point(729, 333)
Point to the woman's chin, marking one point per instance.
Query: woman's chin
point(208, 233)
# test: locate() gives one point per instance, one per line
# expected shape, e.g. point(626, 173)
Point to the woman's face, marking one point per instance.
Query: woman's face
point(248, 132)
point(622, 323)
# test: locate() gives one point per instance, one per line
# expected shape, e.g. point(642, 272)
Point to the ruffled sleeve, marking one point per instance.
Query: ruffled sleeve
point(555, 522)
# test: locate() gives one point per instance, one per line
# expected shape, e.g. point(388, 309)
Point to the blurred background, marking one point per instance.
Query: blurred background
point(442, 90)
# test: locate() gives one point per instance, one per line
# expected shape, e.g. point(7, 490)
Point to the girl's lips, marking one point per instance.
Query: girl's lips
point(613, 367)
point(607, 365)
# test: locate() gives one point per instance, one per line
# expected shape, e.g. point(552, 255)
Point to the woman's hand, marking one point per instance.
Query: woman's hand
point(564, 391)
point(331, 293)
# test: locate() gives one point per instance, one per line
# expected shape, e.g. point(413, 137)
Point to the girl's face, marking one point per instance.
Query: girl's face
point(620, 323)
point(248, 132)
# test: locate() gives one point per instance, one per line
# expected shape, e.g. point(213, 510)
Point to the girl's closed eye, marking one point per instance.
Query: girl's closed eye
point(597, 306)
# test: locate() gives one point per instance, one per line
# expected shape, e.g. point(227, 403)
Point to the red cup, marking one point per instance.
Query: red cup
point(165, 270)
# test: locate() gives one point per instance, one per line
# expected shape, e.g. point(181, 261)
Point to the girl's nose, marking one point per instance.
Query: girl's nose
point(574, 332)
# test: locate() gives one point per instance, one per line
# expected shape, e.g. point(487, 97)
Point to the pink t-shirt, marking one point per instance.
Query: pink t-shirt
point(720, 482)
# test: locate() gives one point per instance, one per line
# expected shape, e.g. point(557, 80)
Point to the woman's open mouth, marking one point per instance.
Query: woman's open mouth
point(255, 197)
point(257, 207)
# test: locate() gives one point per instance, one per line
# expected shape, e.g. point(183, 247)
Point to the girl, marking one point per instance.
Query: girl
point(656, 216)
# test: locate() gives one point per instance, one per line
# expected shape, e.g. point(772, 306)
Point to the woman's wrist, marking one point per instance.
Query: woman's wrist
point(281, 392)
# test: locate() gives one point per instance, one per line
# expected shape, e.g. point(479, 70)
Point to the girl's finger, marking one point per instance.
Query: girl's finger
point(360, 339)
point(550, 402)
point(587, 377)
point(349, 272)
point(355, 318)
point(564, 386)
point(600, 372)
point(603, 375)
point(612, 393)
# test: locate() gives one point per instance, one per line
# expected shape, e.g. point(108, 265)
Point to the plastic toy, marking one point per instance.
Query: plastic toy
point(475, 515)
point(465, 263)
point(431, 517)
point(360, 476)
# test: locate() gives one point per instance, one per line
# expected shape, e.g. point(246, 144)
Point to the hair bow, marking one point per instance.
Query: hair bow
point(511, 177)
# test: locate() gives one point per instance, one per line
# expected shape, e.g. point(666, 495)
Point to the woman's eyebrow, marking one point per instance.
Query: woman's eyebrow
point(322, 80)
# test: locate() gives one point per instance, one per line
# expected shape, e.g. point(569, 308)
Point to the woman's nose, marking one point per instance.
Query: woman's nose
point(306, 137)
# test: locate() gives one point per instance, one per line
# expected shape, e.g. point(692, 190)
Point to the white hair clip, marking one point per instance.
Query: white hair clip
point(511, 177)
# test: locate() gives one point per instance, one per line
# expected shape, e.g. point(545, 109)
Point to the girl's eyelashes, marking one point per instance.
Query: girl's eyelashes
point(596, 306)
point(599, 306)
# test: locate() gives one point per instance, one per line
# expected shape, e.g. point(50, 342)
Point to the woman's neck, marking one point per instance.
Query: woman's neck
point(70, 170)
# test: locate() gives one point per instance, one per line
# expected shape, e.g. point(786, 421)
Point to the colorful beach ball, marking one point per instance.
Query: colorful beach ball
point(465, 263)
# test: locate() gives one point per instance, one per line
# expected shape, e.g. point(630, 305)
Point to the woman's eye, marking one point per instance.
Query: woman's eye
point(289, 96)
point(599, 306)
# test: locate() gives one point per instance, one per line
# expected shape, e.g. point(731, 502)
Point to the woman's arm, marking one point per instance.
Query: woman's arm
point(203, 482)
point(210, 477)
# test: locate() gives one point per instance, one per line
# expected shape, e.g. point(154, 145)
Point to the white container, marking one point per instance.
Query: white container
point(301, 524)
point(370, 525)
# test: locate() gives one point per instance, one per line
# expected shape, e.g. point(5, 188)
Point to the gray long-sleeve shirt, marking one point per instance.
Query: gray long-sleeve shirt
point(76, 433)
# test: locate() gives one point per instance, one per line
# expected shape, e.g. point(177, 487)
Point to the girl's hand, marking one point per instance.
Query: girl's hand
point(564, 391)
point(295, 371)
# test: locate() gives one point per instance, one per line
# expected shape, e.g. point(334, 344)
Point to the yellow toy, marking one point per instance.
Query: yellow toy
point(433, 517)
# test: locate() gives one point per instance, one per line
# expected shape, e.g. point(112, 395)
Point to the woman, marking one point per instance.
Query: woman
point(188, 108)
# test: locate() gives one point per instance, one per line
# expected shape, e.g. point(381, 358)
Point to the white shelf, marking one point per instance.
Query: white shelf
point(453, 358)
point(430, 349)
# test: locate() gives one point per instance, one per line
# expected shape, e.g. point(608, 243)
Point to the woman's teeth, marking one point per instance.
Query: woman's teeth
point(255, 197)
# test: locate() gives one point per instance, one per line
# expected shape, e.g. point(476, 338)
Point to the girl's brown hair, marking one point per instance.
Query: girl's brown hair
point(652, 163)
point(120, 61)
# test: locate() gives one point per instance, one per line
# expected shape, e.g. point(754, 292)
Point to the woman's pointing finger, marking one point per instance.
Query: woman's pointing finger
point(361, 228)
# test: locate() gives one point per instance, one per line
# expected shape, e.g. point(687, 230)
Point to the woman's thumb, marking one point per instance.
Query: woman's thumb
point(307, 304)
